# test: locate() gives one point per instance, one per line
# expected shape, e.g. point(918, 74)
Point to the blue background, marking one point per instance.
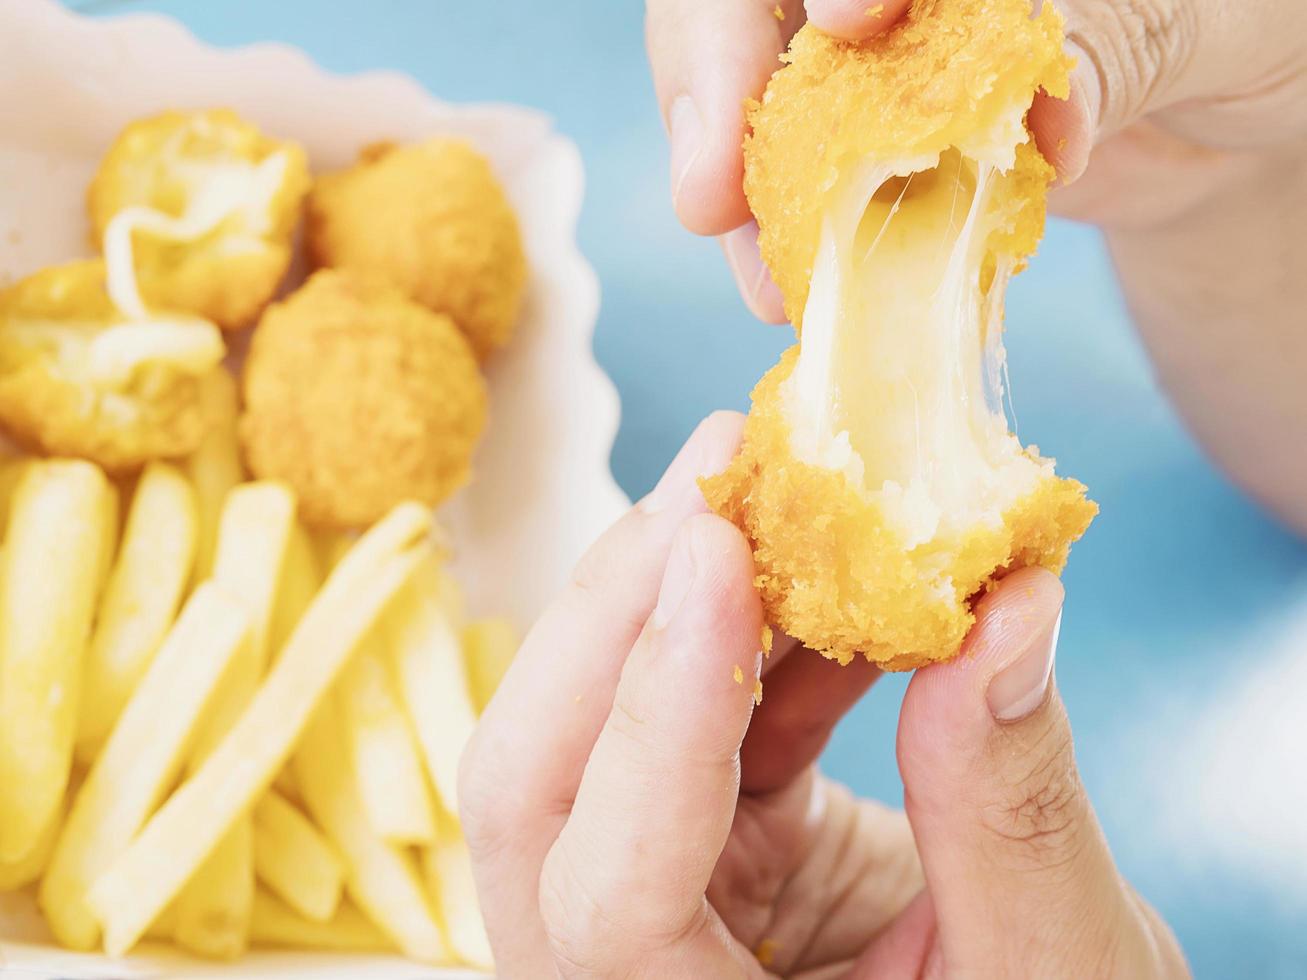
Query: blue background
point(1171, 584)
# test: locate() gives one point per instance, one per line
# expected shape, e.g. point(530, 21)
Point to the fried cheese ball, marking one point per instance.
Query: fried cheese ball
point(433, 218)
point(80, 378)
point(205, 206)
point(896, 190)
point(360, 398)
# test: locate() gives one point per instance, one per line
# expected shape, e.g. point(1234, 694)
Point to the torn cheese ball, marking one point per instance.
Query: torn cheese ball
point(360, 398)
point(433, 218)
point(897, 190)
point(78, 377)
point(204, 207)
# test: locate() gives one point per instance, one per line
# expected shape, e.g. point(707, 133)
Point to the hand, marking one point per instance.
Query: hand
point(630, 813)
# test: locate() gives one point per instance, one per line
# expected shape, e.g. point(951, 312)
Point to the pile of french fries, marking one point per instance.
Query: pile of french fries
point(221, 730)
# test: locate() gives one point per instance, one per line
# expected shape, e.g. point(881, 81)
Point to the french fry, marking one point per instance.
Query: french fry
point(140, 599)
point(381, 877)
point(426, 658)
point(295, 861)
point(215, 467)
point(30, 867)
point(12, 469)
point(213, 910)
point(391, 781)
point(447, 867)
point(186, 829)
point(142, 757)
point(300, 578)
point(489, 646)
point(57, 532)
point(276, 925)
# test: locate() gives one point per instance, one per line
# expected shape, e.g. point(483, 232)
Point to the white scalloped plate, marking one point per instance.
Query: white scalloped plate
point(542, 488)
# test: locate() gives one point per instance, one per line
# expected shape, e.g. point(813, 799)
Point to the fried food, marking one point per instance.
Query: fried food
point(80, 378)
point(897, 190)
point(142, 757)
point(140, 600)
point(182, 834)
point(203, 206)
point(359, 398)
point(433, 218)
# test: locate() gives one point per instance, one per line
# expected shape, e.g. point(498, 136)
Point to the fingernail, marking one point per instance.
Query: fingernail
point(678, 579)
point(685, 128)
point(1085, 105)
point(760, 293)
point(1020, 688)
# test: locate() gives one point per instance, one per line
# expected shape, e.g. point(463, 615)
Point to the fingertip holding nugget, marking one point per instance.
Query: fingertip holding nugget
point(897, 190)
point(359, 398)
point(205, 206)
point(433, 218)
point(79, 378)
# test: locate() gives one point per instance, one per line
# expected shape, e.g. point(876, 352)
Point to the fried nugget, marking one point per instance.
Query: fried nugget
point(360, 398)
point(205, 207)
point(80, 378)
point(433, 218)
point(897, 190)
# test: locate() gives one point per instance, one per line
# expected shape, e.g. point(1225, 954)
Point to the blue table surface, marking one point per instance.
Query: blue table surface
point(1186, 605)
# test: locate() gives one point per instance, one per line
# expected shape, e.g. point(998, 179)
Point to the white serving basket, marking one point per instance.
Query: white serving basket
point(542, 488)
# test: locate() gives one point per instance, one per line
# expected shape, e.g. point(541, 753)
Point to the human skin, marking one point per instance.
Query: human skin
point(1185, 140)
point(632, 814)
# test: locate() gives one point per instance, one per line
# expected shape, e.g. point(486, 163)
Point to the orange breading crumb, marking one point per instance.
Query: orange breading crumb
point(765, 954)
point(768, 638)
point(757, 691)
point(738, 674)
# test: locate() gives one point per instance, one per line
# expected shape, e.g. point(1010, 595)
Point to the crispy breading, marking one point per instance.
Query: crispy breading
point(216, 171)
point(360, 398)
point(78, 378)
point(896, 191)
point(433, 218)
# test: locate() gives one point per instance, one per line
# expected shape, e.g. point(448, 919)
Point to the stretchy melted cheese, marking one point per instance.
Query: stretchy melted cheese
point(897, 190)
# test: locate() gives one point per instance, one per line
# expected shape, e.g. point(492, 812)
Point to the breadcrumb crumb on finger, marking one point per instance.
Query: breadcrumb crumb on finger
point(359, 399)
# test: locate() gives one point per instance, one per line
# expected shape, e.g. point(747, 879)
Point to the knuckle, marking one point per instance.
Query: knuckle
point(490, 813)
point(1140, 48)
point(1041, 804)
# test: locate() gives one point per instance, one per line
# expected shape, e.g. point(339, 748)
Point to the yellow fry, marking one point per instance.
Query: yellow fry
point(300, 578)
point(447, 866)
point(190, 824)
point(21, 873)
point(426, 658)
point(391, 781)
point(381, 877)
point(142, 757)
point(489, 646)
point(276, 925)
point(57, 532)
point(215, 467)
point(295, 861)
point(140, 599)
point(11, 472)
point(213, 910)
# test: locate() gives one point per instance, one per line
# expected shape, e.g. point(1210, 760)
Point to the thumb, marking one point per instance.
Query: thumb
point(623, 887)
point(1018, 871)
point(1214, 67)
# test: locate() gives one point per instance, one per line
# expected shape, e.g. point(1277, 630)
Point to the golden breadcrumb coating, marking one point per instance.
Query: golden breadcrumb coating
point(78, 378)
point(207, 207)
point(896, 191)
point(433, 218)
point(951, 72)
point(360, 398)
